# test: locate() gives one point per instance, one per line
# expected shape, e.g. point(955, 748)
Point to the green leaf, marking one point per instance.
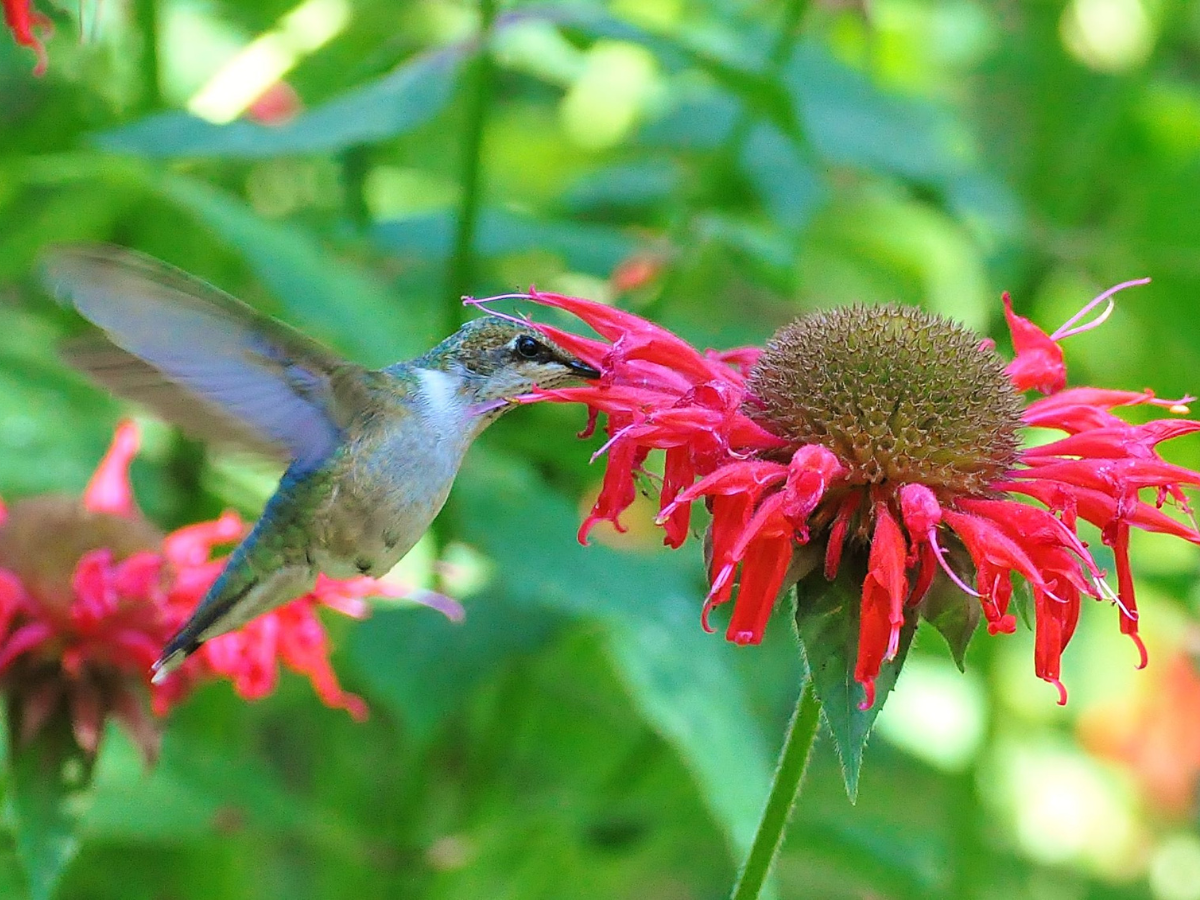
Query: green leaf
point(424, 667)
point(587, 248)
point(827, 618)
point(48, 789)
point(330, 297)
point(734, 63)
point(683, 680)
point(849, 120)
point(954, 614)
point(790, 188)
point(395, 104)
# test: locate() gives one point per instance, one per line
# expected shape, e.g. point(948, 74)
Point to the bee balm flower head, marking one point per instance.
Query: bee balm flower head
point(888, 441)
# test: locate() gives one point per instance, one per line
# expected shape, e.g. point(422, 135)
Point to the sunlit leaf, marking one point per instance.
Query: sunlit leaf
point(395, 104)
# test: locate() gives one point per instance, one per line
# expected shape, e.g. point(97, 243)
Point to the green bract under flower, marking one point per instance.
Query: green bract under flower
point(897, 394)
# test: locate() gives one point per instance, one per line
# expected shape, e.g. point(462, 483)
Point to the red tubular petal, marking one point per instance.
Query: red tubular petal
point(1116, 441)
point(920, 510)
point(27, 637)
point(810, 472)
point(640, 336)
point(868, 694)
point(1062, 691)
point(678, 473)
point(927, 568)
point(884, 592)
point(109, 491)
point(87, 716)
point(837, 535)
point(1039, 360)
point(991, 548)
point(1128, 609)
point(767, 520)
point(730, 516)
point(192, 545)
point(765, 564)
point(23, 22)
point(617, 492)
point(1099, 508)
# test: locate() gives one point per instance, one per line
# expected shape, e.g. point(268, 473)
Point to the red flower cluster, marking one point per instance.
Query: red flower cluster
point(25, 22)
point(770, 494)
point(89, 593)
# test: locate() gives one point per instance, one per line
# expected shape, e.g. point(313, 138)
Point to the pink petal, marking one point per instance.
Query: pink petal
point(109, 490)
point(1039, 360)
point(193, 544)
point(883, 594)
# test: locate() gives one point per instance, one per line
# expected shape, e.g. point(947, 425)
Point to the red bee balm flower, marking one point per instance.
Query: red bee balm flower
point(24, 22)
point(90, 592)
point(891, 436)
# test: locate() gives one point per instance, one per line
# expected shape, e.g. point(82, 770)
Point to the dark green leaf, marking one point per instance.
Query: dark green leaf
point(682, 679)
point(953, 613)
point(827, 617)
point(788, 185)
point(849, 120)
point(48, 789)
point(424, 666)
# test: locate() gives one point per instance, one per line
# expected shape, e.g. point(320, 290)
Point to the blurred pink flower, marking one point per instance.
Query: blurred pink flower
point(90, 592)
point(25, 22)
point(1154, 734)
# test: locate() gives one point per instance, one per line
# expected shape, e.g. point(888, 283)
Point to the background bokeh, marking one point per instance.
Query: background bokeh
point(353, 166)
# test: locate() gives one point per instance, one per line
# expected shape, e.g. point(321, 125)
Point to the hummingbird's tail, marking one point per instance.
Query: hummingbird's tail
point(200, 627)
point(242, 592)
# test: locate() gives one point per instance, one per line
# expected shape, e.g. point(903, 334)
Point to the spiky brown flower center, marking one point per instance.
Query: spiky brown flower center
point(898, 394)
point(44, 538)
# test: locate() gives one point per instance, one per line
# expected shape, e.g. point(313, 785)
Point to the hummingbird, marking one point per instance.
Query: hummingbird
point(372, 453)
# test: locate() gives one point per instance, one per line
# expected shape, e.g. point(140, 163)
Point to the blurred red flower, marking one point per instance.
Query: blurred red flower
point(25, 22)
point(1155, 734)
point(891, 435)
point(90, 592)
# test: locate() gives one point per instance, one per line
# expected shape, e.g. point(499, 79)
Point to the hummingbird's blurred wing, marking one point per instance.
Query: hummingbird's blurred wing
point(128, 376)
point(263, 373)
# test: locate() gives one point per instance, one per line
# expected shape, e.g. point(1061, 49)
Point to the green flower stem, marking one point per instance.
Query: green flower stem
point(146, 16)
point(797, 748)
point(462, 261)
point(719, 174)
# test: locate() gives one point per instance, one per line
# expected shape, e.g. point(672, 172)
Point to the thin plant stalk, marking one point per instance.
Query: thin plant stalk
point(785, 788)
point(461, 274)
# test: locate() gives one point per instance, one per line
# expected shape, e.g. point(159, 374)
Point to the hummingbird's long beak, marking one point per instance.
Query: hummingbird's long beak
point(582, 369)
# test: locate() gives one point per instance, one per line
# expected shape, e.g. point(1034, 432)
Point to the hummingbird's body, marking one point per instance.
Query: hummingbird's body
point(374, 453)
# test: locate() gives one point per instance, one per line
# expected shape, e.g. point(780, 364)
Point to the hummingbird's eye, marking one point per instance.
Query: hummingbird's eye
point(528, 348)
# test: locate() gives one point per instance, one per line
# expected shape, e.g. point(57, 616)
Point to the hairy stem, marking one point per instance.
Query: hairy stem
point(785, 788)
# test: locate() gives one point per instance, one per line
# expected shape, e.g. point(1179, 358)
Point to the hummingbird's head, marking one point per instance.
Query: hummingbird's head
point(503, 358)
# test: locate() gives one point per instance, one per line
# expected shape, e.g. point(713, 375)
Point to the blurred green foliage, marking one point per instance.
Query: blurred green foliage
point(720, 166)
